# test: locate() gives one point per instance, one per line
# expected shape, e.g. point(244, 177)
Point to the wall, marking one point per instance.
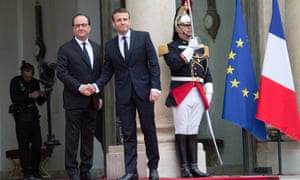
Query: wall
point(18, 35)
point(19, 38)
point(218, 51)
point(8, 64)
point(57, 29)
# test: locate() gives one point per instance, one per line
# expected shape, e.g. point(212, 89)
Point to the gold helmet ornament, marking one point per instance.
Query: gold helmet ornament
point(182, 16)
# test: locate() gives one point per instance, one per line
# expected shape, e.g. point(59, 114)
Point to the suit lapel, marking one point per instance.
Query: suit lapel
point(95, 55)
point(132, 40)
point(116, 48)
point(131, 46)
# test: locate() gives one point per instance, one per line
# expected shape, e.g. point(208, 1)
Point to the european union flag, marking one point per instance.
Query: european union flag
point(241, 91)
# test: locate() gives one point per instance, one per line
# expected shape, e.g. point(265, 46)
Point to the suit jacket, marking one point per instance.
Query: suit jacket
point(140, 70)
point(73, 70)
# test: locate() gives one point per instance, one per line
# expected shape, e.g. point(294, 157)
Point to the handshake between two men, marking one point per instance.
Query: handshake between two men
point(88, 90)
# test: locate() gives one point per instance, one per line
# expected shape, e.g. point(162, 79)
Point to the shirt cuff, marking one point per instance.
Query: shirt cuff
point(155, 90)
point(97, 89)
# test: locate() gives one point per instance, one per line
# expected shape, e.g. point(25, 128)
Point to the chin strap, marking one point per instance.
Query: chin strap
point(185, 34)
point(213, 136)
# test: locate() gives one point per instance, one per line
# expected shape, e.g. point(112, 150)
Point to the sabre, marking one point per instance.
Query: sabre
point(191, 16)
point(207, 112)
point(213, 137)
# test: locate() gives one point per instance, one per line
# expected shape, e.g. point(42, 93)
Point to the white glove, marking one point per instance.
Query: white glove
point(208, 97)
point(209, 90)
point(194, 43)
point(188, 54)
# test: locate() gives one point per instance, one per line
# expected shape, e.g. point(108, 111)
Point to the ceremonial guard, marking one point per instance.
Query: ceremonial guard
point(191, 89)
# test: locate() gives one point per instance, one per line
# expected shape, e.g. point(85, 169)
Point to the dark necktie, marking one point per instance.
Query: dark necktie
point(85, 53)
point(125, 46)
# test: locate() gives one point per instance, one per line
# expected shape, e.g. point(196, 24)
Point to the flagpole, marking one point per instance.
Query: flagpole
point(245, 152)
point(279, 152)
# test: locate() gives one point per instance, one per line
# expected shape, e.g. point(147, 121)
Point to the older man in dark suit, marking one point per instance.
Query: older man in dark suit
point(131, 57)
point(78, 66)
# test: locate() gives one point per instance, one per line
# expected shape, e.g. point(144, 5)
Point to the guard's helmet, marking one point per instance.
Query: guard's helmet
point(182, 17)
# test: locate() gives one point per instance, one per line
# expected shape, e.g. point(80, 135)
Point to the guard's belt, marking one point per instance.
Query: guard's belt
point(182, 78)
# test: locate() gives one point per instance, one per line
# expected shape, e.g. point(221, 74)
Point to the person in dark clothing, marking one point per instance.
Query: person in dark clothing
point(25, 94)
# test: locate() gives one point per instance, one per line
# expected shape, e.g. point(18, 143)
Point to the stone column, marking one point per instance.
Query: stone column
point(292, 27)
point(156, 17)
point(267, 152)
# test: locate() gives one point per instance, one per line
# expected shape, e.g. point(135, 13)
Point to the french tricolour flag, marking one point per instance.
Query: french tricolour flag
point(277, 103)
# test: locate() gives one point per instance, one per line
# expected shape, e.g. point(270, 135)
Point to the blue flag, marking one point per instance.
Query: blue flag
point(241, 91)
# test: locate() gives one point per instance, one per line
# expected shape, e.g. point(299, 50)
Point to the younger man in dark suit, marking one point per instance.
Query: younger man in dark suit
point(131, 57)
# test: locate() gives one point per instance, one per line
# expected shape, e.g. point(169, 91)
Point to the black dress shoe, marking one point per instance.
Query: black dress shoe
point(87, 176)
point(196, 171)
point(74, 177)
point(153, 174)
point(129, 176)
point(37, 176)
point(185, 171)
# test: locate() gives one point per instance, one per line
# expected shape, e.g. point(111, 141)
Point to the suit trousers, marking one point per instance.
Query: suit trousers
point(80, 123)
point(127, 116)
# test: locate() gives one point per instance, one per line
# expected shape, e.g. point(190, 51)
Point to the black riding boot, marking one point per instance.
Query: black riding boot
point(181, 145)
point(193, 156)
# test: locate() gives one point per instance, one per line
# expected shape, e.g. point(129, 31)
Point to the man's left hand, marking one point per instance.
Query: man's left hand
point(100, 104)
point(154, 96)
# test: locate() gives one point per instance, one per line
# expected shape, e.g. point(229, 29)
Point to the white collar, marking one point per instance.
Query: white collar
point(80, 42)
point(127, 35)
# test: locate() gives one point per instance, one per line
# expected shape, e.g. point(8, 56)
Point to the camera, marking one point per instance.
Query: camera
point(47, 74)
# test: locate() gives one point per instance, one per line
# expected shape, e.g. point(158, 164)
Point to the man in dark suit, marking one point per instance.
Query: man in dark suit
point(137, 81)
point(78, 66)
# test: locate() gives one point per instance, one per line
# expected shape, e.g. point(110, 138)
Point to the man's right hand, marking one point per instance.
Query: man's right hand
point(87, 89)
point(192, 46)
point(195, 44)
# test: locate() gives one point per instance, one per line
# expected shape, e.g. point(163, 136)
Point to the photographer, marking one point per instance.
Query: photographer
point(24, 94)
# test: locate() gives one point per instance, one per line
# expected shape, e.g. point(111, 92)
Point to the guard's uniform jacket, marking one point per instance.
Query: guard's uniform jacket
point(185, 76)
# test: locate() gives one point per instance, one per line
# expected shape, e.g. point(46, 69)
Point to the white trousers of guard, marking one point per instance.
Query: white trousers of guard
point(188, 114)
